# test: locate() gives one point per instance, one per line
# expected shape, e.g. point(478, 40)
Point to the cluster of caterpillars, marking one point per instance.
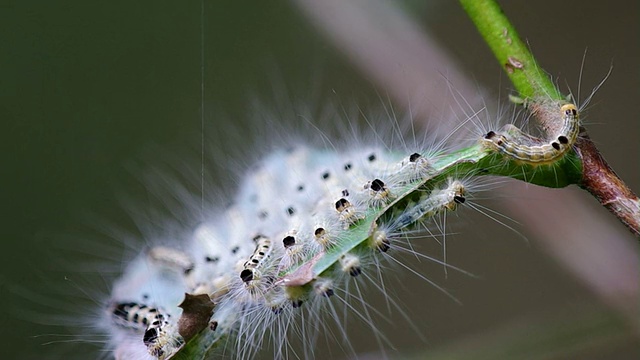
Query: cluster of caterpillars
point(278, 274)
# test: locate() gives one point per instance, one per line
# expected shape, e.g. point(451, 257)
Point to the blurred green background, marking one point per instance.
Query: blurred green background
point(87, 88)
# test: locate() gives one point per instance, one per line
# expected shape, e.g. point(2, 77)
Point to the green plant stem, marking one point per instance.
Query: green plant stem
point(512, 54)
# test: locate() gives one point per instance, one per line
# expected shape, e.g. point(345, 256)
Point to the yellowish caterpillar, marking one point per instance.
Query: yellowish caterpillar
point(527, 149)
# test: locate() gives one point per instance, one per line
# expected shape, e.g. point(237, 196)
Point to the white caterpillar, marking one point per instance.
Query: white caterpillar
point(512, 142)
point(438, 200)
point(259, 256)
point(158, 335)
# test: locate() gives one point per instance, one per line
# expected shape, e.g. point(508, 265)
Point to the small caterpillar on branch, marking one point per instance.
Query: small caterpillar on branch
point(511, 141)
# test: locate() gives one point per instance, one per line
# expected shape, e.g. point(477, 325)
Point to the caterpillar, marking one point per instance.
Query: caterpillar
point(517, 145)
point(157, 336)
point(260, 254)
point(437, 201)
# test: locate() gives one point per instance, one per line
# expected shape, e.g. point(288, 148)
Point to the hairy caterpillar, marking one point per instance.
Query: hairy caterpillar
point(427, 206)
point(521, 147)
point(259, 256)
point(157, 335)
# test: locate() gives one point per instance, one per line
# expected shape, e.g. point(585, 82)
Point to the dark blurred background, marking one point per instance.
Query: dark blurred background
point(87, 88)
